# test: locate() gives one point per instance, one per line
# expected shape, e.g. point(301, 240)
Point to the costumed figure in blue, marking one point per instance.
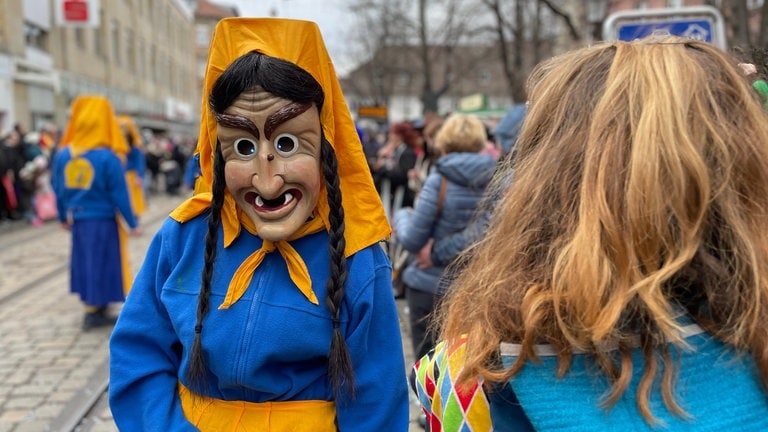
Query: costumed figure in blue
point(88, 178)
point(135, 165)
point(265, 300)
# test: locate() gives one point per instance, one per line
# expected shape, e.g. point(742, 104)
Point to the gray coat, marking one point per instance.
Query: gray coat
point(468, 175)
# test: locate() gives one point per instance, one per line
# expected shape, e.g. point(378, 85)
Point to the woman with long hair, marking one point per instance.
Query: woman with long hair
point(623, 280)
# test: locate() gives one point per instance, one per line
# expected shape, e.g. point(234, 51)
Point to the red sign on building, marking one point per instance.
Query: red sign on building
point(77, 13)
point(75, 10)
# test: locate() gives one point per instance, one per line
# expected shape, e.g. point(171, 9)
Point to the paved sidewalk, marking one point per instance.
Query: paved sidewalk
point(46, 360)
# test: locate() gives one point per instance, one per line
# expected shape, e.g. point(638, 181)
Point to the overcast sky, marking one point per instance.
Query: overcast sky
point(332, 16)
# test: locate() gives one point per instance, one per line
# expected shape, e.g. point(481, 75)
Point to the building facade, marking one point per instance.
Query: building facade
point(393, 78)
point(138, 53)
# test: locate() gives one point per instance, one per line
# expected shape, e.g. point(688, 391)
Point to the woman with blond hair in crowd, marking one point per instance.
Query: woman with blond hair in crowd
point(447, 202)
point(623, 280)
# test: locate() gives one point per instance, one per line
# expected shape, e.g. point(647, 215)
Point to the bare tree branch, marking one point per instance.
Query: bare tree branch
point(567, 19)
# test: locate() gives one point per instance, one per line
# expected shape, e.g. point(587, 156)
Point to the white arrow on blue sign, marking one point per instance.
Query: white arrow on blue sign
point(694, 29)
point(696, 22)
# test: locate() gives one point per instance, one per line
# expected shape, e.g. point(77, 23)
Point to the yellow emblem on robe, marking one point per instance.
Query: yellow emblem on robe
point(78, 174)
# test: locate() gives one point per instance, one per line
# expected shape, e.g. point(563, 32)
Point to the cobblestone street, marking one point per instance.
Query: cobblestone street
point(52, 374)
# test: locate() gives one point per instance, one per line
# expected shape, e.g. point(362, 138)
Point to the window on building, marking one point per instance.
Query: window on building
point(153, 63)
point(35, 36)
point(80, 37)
point(163, 71)
point(168, 20)
point(203, 33)
point(140, 58)
point(403, 79)
point(98, 45)
point(378, 77)
point(201, 68)
point(114, 32)
point(484, 76)
point(173, 83)
point(129, 54)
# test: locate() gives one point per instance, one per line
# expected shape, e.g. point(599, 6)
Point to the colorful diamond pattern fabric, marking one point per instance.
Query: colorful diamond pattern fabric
point(448, 408)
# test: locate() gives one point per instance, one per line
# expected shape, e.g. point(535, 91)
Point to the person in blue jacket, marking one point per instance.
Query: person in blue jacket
point(622, 283)
point(88, 178)
point(447, 202)
point(447, 251)
point(265, 300)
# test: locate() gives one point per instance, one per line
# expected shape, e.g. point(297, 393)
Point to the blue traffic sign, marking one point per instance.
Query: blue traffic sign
point(694, 29)
point(696, 22)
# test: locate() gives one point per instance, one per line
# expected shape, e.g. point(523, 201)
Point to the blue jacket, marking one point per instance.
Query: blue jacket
point(93, 187)
point(136, 162)
point(468, 175)
point(271, 345)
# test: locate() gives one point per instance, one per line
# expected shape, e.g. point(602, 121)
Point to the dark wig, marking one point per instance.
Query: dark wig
point(288, 81)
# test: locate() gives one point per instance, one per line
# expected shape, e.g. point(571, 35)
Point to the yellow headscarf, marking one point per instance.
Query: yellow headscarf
point(92, 124)
point(298, 42)
point(129, 126)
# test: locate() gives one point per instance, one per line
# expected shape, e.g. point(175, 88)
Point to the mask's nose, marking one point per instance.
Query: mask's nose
point(268, 179)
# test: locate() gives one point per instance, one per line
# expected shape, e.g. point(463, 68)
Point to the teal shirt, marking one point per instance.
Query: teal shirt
point(716, 386)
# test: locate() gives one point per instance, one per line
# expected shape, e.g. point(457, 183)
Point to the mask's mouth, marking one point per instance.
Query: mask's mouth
point(262, 204)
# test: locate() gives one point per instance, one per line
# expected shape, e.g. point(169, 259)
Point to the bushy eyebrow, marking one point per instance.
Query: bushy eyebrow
point(238, 122)
point(293, 109)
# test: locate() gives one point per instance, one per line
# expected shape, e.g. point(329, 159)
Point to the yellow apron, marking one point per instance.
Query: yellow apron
point(209, 414)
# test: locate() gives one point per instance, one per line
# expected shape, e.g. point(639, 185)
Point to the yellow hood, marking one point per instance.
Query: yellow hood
point(298, 42)
point(129, 126)
point(92, 124)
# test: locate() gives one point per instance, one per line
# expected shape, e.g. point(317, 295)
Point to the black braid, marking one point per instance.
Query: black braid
point(197, 372)
point(340, 371)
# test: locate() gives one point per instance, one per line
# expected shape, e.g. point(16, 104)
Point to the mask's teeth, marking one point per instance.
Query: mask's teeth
point(288, 197)
point(259, 201)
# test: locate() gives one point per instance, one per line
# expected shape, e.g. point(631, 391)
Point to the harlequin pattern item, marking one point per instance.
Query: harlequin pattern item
point(447, 407)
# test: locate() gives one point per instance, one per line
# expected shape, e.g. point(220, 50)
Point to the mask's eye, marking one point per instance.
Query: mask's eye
point(245, 147)
point(286, 144)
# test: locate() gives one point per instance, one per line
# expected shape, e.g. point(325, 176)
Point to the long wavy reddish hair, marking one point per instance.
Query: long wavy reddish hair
point(640, 188)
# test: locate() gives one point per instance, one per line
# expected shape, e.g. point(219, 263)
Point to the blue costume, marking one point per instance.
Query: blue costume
point(246, 310)
point(271, 345)
point(88, 178)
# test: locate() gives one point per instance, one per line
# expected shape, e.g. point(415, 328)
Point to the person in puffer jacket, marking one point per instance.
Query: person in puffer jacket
point(462, 174)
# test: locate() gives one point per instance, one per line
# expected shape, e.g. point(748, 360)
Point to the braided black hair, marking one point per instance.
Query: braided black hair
point(196, 373)
point(288, 81)
point(340, 370)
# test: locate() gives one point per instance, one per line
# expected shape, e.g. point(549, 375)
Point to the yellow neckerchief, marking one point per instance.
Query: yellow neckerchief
point(296, 267)
point(298, 42)
point(93, 124)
